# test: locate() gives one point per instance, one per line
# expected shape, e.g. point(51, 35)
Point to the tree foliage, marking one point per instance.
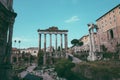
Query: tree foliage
point(40, 58)
point(63, 69)
point(74, 42)
point(80, 43)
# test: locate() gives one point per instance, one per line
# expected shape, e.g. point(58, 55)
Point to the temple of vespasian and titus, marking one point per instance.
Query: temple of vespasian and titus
point(53, 31)
point(92, 56)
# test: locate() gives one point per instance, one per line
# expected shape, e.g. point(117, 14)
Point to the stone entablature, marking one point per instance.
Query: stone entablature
point(52, 30)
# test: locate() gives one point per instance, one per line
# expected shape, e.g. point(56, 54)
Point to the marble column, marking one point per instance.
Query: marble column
point(44, 42)
point(56, 42)
point(51, 49)
point(61, 42)
point(50, 44)
point(93, 41)
point(66, 43)
point(40, 42)
point(44, 59)
point(90, 41)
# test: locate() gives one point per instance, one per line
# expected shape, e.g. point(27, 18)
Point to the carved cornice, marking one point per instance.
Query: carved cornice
point(6, 12)
point(52, 30)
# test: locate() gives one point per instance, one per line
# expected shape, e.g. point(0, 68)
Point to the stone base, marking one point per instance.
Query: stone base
point(91, 56)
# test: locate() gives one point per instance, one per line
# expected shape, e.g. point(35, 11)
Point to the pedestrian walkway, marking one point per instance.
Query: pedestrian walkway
point(74, 59)
point(28, 70)
point(47, 77)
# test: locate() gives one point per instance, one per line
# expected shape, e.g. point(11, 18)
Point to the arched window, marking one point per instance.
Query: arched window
point(111, 34)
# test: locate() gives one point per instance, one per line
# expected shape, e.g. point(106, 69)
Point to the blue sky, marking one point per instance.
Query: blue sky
point(72, 15)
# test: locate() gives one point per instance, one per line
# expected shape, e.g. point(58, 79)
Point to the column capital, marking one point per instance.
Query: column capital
point(65, 34)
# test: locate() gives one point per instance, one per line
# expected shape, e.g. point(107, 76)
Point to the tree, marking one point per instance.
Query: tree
point(74, 42)
point(63, 68)
point(58, 48)
point(80, 43)
point(40, 57)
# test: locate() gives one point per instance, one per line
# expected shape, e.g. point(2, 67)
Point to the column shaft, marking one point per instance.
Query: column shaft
point(44, 59)
point(93, 44)
point(66, 43)
point(61, 42)
point(39, 42)
point(44, 42)
point(90, 41)
point(56, 42)
point(50, 44)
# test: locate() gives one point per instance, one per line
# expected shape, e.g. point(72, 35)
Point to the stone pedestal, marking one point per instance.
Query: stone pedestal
point(92, 56)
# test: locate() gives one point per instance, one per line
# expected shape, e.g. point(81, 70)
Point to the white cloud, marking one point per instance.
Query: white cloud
point(72, 19)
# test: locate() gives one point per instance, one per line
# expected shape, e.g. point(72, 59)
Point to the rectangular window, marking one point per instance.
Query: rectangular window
point(110, 22)
point(34, 51)
point(110, 34)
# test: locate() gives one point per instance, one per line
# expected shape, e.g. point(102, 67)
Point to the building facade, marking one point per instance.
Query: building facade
point(16, 56)
point(7, 18)
point(86, 47)
point(32, 50)
point(109, 29)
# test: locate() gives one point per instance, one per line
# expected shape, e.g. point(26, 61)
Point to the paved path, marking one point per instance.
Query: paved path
point(47, 77)
point(75, 60)
point(29, 69)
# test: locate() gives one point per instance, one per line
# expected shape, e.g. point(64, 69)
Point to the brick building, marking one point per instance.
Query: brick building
point(86, 41)
point(109, 29)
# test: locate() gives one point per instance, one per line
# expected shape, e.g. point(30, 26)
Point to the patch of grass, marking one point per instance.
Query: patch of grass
point(99, 70)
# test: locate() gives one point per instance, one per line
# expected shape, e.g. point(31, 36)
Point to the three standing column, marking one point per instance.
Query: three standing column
point(93, 41)
point(92, 56)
